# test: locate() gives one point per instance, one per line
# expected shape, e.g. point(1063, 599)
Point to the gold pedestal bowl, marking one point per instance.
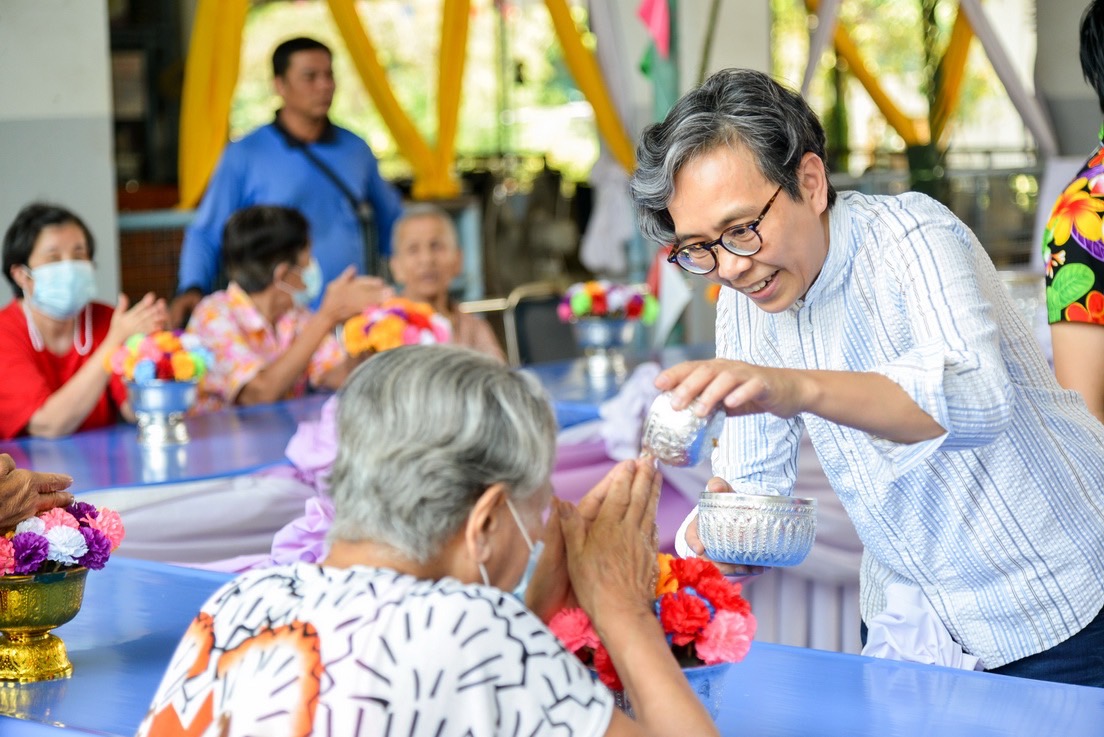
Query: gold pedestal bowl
point(31, 606)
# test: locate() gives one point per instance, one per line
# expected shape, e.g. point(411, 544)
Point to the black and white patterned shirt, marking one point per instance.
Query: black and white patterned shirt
point(304, 649)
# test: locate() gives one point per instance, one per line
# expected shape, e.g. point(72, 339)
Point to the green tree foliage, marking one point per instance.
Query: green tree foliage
point(546, 114)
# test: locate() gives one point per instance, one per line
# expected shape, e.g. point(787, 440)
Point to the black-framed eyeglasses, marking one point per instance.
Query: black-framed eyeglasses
point(742, 239)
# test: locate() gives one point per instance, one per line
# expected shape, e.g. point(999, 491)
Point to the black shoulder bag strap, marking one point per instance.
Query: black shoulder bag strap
point(364, 213)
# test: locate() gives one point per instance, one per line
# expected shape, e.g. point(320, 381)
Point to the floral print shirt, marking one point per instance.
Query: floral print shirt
point(243, 342)
point(1073, 247)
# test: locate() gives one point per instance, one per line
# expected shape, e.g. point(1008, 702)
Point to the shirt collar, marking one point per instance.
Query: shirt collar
point(329, 133)
point(839, 233)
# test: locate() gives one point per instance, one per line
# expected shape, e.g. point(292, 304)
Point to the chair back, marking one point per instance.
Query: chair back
point(534, 332)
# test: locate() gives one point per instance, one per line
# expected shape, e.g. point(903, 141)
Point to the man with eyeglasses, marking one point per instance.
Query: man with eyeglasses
point(879, 325)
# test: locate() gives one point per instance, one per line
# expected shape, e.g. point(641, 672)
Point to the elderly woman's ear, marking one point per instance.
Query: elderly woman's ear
point(482, 524)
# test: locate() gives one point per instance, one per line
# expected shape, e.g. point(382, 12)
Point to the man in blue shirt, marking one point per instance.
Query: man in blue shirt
point(300, 160)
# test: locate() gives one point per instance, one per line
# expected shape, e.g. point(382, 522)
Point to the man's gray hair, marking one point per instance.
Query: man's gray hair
point(733, 106)
point(424, 210)
point(423, 431)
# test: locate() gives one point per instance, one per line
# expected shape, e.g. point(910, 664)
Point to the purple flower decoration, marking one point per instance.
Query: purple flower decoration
point(99, 548)
point(80, 510)
point(30, 551)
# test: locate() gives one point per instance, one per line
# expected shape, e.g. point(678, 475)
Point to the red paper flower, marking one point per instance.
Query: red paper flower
point(691, 571)
point(683, 616)
point(723, 594)
point(607, 674)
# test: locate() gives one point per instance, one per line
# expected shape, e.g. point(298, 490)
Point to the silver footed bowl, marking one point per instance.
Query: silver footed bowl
point(756, 529)
point(680, 437)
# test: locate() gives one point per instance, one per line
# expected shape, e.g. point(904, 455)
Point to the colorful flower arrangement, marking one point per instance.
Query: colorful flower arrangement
point(62, 538)
point(705, 618)
point(601, 298)
point(397, 321)
point(163, 355)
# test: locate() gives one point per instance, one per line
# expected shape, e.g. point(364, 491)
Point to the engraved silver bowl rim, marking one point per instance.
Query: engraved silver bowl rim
point(774, 502)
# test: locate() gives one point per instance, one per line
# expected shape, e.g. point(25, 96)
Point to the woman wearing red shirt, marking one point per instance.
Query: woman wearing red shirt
point(53, 337)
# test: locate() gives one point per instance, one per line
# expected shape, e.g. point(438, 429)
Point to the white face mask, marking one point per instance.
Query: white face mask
point(62, 288)
point(312, 285)
point(535, 550)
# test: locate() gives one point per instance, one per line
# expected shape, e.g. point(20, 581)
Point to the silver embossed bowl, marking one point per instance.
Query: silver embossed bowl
point(679, 437)
point(756, 529)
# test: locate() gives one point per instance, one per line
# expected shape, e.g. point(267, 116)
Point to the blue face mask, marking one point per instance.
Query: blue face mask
point(311, 274)
point(535, 551)
point(62, 288)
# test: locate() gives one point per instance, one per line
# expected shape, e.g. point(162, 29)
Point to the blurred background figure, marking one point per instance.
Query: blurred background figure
point(54, 339)
point(1073, 250)
point(267, 343)
point(425, 258)
point(300, 160)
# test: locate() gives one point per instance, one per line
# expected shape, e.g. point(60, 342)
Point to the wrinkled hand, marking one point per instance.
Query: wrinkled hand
point(736, 572)
point(549, 590)
point(349, 295)
point(25, 493)
point(611, 558)
point(146, 316)
point(739, 388)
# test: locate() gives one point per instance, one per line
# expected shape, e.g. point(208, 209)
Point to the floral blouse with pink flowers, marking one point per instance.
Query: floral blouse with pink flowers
point(243, 343)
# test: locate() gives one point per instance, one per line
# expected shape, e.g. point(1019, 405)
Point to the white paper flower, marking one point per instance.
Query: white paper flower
point(33, 524)
point(66, 545)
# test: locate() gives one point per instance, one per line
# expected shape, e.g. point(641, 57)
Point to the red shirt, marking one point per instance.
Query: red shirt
point(28, 377)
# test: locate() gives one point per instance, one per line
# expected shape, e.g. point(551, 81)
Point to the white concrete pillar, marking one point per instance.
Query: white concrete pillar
point(1070, 100)
point(56, 122)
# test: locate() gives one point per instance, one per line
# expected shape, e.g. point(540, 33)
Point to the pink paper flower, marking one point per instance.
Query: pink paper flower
point(7, 556)
point(574, 629)
point(726, 639)
point(58, 517)
point(110, 524)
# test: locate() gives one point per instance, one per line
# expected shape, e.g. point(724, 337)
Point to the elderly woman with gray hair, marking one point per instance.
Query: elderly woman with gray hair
point(407, 626)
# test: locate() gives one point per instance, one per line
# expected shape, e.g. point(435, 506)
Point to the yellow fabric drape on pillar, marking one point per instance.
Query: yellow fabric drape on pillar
point(953, 68)
point(846, 48)
point(407, 137)
point(584, 68)
point(450, 77)
point(210, 75)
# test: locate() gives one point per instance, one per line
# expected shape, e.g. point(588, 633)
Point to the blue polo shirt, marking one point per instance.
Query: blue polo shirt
point(265, 168)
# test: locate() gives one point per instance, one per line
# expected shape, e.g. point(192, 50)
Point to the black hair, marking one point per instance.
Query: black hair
point(19, 240)
point(741, 106)
point(258, 239)
point(281, 57)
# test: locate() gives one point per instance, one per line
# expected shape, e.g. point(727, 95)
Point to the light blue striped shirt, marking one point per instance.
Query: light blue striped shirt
point(1000, 521)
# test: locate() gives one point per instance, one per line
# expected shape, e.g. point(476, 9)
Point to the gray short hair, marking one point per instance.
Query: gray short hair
point(424, 210)
point(423, 431)
point(733, 106)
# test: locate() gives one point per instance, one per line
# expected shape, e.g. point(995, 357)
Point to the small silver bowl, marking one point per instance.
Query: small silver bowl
point(160, 407)
point(680, 437)
point(756, 529)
